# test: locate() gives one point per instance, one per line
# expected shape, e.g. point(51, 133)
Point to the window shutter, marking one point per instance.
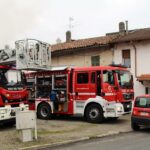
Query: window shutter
point(126, 54)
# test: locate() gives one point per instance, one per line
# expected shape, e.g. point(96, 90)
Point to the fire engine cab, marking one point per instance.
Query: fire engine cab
point(92, 92)
point(13, 94)
point(29, 54)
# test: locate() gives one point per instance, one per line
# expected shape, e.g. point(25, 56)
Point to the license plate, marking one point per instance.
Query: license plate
point(144, 114)
point(15, 109)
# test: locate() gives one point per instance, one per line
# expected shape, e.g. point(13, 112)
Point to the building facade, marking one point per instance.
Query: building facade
point(133, 50)
point(130, 48)
point(85, 52)
point(89, 57)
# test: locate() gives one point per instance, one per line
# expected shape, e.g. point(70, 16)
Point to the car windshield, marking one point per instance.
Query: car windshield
point(142, 102)
point(125, 79)
point(10, 77)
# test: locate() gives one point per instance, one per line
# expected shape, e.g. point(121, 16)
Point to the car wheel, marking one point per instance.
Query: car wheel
point(9, 124)
point(135, 127)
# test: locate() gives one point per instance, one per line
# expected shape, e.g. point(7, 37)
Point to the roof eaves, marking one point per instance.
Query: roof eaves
point(80, 47)
point(77, 49)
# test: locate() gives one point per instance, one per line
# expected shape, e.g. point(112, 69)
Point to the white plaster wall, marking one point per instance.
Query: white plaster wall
point(83, 58)
point(143, 57)
point(143, 61)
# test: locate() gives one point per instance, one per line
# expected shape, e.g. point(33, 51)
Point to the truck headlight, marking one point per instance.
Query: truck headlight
point(3, 111)
point(27, 107)
point(119, 108)
point(7, 95)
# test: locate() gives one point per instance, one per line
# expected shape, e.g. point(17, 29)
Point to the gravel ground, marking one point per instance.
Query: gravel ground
point(62, 129)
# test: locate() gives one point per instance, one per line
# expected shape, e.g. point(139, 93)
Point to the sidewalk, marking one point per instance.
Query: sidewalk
point(61, 131)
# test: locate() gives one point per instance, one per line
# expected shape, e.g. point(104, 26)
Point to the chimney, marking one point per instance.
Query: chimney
point(126, 26)
point(121, 27)
point(68, 36)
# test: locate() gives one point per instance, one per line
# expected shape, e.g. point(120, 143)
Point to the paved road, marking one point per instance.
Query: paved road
point(129, 141)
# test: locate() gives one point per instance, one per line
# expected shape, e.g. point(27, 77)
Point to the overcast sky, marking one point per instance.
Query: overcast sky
point(48, 20)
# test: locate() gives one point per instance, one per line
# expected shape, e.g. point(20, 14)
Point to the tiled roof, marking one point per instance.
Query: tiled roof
point(139, 34)
point(135, 35)
point(144, 77)
point(103, 40)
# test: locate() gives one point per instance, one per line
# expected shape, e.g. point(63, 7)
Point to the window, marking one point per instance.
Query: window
point(126, 58)
point(108, 77)
point(93, 77)
point(60, 81)
point(82, 78)
point(125, 79)
point(143, 102)
point(95, 60)
point(146, 90)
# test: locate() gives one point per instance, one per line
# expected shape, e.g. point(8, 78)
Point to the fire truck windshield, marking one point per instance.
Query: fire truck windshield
point(10, 78)
point(125, 79)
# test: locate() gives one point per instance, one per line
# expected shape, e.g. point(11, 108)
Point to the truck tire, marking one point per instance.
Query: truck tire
point(94, 114)
point(44, 111)
point(9, 124)
point(135, 127)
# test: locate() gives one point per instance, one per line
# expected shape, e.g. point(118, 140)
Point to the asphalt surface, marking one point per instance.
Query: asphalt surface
point(127, 141)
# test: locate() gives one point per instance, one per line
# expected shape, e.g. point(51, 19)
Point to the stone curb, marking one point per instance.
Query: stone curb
point(74, 141)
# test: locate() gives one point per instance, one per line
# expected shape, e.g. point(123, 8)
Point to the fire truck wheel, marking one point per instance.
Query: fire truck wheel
point(44, 111)
point(9, 124)
point(94, 114)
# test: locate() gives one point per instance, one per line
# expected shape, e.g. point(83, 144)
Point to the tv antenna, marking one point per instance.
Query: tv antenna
point(70, 23)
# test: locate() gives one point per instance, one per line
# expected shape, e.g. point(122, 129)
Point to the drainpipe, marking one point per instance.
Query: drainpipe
point(135, 52)
point(113, 53)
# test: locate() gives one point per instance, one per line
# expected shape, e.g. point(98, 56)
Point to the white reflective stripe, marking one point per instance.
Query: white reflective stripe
point(110, 94)
point(42, 99)
point(84, 93)
point(72, 93)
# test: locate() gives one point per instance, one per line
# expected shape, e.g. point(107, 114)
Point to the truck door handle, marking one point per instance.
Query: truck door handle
point(76, 93)
point(103, 94)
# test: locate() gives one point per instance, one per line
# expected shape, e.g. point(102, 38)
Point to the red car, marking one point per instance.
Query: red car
point(141, 112)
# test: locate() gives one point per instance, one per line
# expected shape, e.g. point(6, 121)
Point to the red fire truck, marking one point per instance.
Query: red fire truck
point(92, 92)
point(13, 94)
point(28, 54)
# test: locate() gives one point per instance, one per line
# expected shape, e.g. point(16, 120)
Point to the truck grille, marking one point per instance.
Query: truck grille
point(5, 100)
point(128, 96)
point(127, 106)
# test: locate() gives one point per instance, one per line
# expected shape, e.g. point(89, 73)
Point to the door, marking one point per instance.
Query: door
point(108, 85)
point(82, 86)
point(98, 83)
point(92, 84)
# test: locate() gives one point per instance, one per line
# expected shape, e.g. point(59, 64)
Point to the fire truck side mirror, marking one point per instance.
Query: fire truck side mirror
point(116, 88)
point(24, 78)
